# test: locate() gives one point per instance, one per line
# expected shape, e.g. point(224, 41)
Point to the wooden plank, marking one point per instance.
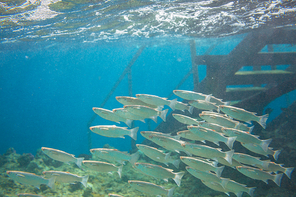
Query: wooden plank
point(257, 78)
point(233, 94)
point(260, 59)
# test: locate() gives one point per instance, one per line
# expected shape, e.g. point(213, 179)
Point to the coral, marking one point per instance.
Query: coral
point(87, 192)
point(25, 159)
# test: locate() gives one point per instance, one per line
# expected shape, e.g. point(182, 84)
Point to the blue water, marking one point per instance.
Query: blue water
point(47, 95)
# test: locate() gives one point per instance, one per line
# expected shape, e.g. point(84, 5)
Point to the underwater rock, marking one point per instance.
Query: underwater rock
point(25, 159)
point(9, 151)
point(75, 186)
point(87, 192)
point(3, 160)
point(85, 156)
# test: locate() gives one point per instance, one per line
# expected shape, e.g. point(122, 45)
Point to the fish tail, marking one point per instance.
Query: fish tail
point(134, 157)
point(171, 192)
point(239, 194)
point(265, 144)
point(51, 182)
point(173, 104)
point(228, 156)
point(154, 118)
point(218, 109)
point(129, 122)
point(276, 154)
point(163, 114)
point(288, 172)
point(251, 191)
point(224, 182)
point(251, 129)
point(230, 141)
point(79, 161)
point(167, 156)
point(178, 177)
point(133, 133)
point(208, 97)
point(120, 170)
point(219, 171)
point(84, 180)
point(265, 164)
point(226, 103)
point(176, 163)
point(277, 179)
point(262, 120)
point(191, 109)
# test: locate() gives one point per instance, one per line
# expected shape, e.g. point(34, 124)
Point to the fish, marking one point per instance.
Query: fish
point(163, 134)
point(165, 142)
point(274, 167)
point(158, 155)
point(238, 188)
point(208, 152)
point(213, 126)
point(215, 186)
point(243, 115)
point(113, 155)
point(204, 105)
point(66, 177)
point(222, 161)
point(108, 115)
point(115, 131)
point(127, 100)
point(101, 166)
point(177, 105)
point(190, 136)
point(185, 119)
point(217, 101)
point(203, 165)
point(127, 115)
point(190, 95)
point(62, 156)
point(256, 148)
point(147, 112)
point(27, 178)
point(160, 172)
point(220, 120)
point(151, 188)
point(114, 195)
point(153, 100)
point(29, 195)
point(250, 160)
point(247, 138)
point(259, 174)
point(207, 176)
point(212, 135)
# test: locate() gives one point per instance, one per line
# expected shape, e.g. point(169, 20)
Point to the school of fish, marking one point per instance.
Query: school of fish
point(222, 123)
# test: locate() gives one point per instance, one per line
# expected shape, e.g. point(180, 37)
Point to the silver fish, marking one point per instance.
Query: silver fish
point(151, 188)
point(208, 152)
point(258, 174)
point(27, 178)
point(190, 95)
point(62, 156)
point(176, 105)
point(250, 160)
point(207, 176)
point(115, 131)
point(257, 148)
point(238, 188)
point(66, 177)
point(160, 172)
point(202, 165)
point(114, 195)
point(113, 155)
point(147, 112)
point(127, 100)
point(247, 138)
point(101, 166)
point(274, 167)
point(127, 115)
point(185, 119)
point(212, 135)
point(158, 155)
point(204, 105)
point(215, 186)
point(190, 136)
point(29, 195)
point(243, 115)
point(108, 115)
point(153, 100)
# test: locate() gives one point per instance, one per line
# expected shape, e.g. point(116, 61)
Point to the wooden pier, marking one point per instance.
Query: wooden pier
point(223, 72)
